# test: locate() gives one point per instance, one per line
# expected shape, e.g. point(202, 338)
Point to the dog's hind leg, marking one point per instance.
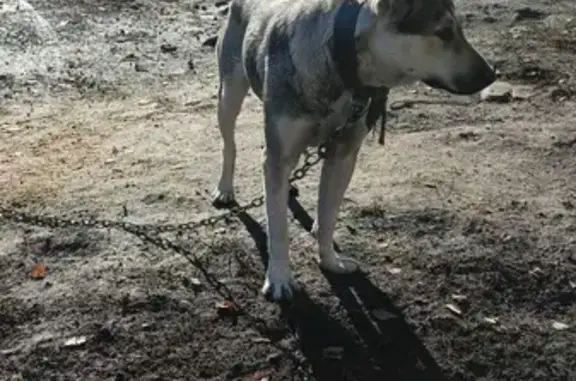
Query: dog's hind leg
point(231, 93)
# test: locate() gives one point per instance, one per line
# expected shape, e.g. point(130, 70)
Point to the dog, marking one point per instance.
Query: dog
point(307, 61)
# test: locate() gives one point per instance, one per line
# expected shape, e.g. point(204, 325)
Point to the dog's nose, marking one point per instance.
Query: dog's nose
point(480, 77)
point(486, 77)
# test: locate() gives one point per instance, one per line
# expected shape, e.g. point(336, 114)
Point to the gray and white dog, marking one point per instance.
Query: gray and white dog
point(284, 51)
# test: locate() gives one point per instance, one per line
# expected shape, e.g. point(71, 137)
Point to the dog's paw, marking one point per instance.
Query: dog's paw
point(279, 286)
point(223, 199)
point(339, 264)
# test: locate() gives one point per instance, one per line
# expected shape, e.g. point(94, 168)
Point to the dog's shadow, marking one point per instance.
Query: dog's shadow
point(384, 346)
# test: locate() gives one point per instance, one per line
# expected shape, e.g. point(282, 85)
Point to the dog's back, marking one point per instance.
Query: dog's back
point(292, 33)
point(293, 11)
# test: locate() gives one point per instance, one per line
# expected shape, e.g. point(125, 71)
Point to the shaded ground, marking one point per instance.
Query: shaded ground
point(465, 222)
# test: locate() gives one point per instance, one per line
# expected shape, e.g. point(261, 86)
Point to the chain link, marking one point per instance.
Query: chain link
point(311, 158)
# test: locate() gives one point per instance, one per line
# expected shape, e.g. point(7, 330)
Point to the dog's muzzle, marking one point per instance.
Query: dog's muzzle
point(480, 77)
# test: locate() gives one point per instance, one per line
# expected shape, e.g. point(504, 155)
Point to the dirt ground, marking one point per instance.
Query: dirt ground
point(465, 222)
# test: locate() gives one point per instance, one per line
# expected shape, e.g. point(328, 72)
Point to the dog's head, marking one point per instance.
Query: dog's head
point(421, 40)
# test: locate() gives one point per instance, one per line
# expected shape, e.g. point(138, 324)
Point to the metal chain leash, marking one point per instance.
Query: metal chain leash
point(311, 158)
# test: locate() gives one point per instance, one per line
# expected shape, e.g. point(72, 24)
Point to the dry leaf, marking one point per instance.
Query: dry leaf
point(383, 245)
point(459, 298)
point(491, 320)
point(462, 302)
point(75, 341)
point(454, 309)
point(226, 308)
point(10, 351)
point(260, 375)
point(333, 353)
point(382, 314)
point(38, 271)
point(225, 305)
point(394, 270)
point(260, 340)
point(559, 326)
point(194, 283)
point(536, 271)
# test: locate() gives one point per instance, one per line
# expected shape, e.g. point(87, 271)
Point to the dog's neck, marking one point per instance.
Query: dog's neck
point(350, 52)
point(345, 54)
point(344, 49)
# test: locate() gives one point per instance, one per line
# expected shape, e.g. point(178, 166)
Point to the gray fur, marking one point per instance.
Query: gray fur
point(281, 50)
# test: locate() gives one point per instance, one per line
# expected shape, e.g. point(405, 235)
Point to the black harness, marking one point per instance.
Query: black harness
point(366, 99)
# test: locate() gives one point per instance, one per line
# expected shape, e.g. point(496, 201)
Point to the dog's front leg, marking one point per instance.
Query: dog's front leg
point(284, 139)
point(336, 174)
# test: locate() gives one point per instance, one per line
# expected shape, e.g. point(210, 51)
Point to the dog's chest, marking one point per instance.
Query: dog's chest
point(343, 114)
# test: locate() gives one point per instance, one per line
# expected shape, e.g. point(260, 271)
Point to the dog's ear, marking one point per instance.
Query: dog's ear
point(396, 10)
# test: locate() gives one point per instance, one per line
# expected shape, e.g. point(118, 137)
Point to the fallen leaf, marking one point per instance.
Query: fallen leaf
point(382, 314)
point(226, 308)
point(194, 283)
point(491, 320)
point(146, 325)
point(260, 375)
point(274, 357)
point(459, 298)
point(260, 340)
point(227, 304)
point(462, 301)
point(536, 271)
point(454, 309)
point(38, 271)
point(559, 326)
point(394, 270)
point(10, 351)
point(75, 341)
point(333, 353)
point(383, 245)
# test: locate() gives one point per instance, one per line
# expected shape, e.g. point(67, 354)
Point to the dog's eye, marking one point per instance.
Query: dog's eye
point(445, 34)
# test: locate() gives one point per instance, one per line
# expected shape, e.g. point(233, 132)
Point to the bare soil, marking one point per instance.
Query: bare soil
point(465, 221)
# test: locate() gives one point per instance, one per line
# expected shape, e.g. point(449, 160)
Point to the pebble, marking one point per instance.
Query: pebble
point(498, 92)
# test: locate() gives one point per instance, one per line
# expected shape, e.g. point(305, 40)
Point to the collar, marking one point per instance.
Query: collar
point(345, 55)
point(344, 49)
